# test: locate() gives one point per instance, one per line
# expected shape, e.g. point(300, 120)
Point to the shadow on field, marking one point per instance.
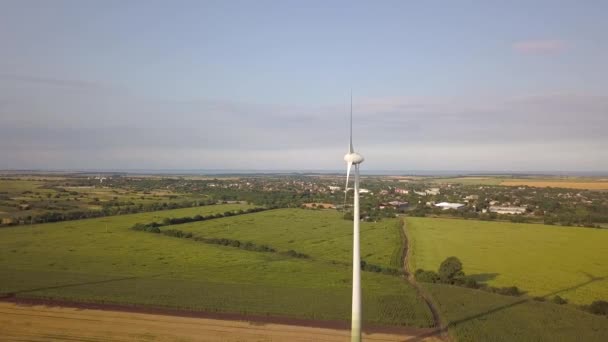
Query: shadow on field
point(443, 330)
point(483, 277)
point(15, 293)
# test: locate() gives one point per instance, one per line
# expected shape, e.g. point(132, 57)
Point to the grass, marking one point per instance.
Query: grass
point(102, 260)
point(475, 315)
point(542, 260)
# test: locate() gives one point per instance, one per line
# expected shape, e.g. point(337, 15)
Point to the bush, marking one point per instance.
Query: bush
point(426, 276)
point(470, 283)
point(295, 254)
point(505, 291)
point(152, 229)
point(599, 307)
point(559, 300)
point(509, 291)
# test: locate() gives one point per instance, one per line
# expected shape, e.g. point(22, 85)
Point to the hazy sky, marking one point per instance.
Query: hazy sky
point(486, 85)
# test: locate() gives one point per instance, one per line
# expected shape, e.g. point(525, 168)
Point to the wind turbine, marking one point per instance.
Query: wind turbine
point(354, 158)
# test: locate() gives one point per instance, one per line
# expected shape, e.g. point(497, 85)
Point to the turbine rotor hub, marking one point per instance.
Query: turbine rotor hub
point(354, 158)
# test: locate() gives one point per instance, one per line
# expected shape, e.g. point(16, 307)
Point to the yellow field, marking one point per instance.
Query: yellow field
point(542, 260)
point(42, 323)
point(557, 184)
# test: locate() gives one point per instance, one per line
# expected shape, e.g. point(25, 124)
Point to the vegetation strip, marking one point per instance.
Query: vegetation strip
point(153, 227)
point(167, 221)
point(439, 323)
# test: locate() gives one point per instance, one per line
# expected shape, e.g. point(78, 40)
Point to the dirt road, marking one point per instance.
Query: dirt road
point(19, 322)
point(441, 328)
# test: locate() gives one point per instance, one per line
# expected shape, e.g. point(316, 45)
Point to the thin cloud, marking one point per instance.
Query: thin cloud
point(542, 46)
point(64, 83)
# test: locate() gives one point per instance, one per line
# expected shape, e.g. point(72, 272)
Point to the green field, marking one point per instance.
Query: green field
point(51, 194)
point(475, 315)
point(542, 260)
point(103, 260)
point(321, 234)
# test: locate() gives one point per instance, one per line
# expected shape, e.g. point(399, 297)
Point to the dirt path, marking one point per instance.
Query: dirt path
point(21, 322)
point(441, 328)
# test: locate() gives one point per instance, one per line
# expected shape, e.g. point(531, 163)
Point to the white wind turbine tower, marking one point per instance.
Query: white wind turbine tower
point(354, 158)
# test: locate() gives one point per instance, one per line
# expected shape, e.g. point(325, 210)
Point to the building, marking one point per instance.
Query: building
point(401, 191)
point(334, 188)
point(446, 205)
point(432, 191)
point(508, 210)
point(364, 191)
point(399, 205)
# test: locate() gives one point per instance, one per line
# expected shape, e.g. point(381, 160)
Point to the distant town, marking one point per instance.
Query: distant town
point(37, 198)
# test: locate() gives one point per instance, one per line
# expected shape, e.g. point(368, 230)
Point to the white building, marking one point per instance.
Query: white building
point(446, 205)
point(363, 191)
point(432, 191)
point(334, 188)
point(508, 210)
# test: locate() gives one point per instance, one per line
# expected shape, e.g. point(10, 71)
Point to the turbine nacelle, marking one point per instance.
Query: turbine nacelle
point(353, 158)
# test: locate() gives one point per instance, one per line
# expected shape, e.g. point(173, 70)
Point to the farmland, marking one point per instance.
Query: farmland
point(542, 260)
point(587, 183)
point(102, 260)
point(565, 183)
point(78, 324)
point(475, 315)
point(321, 234)
point(28, 199)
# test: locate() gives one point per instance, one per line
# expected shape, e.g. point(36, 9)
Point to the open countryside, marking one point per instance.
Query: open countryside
point(542, 260)
point(295, 171)
point(277, 248)
point(104, 261)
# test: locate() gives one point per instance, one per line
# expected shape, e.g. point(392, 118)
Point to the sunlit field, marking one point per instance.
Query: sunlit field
point(104, 261)
point(542, 260)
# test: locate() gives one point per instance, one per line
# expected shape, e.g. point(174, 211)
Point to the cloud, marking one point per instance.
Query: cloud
point(546, 46)
point(56, 129)
point(55, 82)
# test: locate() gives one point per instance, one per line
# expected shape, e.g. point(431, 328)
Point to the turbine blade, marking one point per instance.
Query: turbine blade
point(346, 187)
point(350, 164)
point(350, 147)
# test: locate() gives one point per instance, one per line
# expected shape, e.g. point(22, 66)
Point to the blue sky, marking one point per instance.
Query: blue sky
point(483, 85)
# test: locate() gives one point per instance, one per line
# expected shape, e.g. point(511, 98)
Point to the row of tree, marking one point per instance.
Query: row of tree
point(57, 216)
point(168, 221)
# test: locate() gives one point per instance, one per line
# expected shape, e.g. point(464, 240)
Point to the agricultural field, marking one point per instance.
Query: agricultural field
point(321, 234)
point(27, 197)
point(475, 315)
point(586, 183)
point(78, 324)
point(102, 260)
point(471, 180)
point(542, 260)
point(562, 183)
